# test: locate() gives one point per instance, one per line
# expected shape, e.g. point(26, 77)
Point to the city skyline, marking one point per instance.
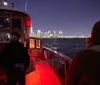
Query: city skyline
point(54, 34)
point(72, 17)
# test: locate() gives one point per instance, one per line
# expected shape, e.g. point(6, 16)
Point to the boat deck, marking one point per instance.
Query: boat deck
point(43, 75)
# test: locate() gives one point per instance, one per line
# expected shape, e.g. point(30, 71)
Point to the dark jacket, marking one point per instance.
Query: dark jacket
point(14, 53)
point(85, 68)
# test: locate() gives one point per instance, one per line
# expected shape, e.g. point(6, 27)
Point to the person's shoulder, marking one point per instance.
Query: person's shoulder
point(83, 52)
point(80, 52)
point(8, 45)
point(83, 55)
point(20, 44)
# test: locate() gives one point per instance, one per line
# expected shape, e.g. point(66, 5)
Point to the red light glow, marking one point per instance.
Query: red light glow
point(27, 21)
point(43, 75)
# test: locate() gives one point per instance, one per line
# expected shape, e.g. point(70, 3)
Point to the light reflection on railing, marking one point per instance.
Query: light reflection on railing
point(58, 62)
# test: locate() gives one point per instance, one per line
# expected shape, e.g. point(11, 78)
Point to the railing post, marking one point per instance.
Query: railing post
point(65, 71)
point(45, 54)
point(58, 66)
point(52, 59)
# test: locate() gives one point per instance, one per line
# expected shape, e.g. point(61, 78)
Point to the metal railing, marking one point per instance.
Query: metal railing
point(58, 62)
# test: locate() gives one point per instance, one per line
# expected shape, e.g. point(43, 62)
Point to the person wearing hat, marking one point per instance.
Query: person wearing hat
point(85, 66)
point(15, 59)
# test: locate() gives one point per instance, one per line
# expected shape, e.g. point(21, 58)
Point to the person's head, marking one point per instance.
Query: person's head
point(14, 36)
point(95, 34)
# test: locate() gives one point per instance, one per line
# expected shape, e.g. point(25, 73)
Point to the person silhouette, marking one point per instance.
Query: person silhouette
point(15, 59)
point(85, 66)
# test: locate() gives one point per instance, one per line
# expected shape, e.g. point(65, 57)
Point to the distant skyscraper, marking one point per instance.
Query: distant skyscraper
point(49, 31)
point(60, 32)
point(38, 32)
point(31, 31)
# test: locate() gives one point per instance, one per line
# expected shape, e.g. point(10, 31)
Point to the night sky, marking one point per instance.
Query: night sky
point(73, 17)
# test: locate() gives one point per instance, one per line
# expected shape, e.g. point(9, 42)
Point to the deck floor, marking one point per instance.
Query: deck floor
point(43, 75)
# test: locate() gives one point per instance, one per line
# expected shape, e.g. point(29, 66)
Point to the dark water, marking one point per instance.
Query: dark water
point(67, 46)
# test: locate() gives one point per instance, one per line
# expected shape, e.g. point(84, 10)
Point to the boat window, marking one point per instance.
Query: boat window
point(4, 19)
point(16, 20)
point(4, 36)
point(37, 43)
point(31, 43)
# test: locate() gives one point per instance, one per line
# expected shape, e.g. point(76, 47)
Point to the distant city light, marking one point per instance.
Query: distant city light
point(54, 34)
point(31, 31)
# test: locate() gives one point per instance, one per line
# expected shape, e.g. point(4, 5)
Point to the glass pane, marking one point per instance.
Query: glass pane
point(32, 43)
point(4, 36)
point(4, 19)
point(16, 20)
point(38, 43)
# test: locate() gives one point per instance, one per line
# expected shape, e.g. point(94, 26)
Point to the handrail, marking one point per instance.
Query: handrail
point(59, 54)
point(58, 62)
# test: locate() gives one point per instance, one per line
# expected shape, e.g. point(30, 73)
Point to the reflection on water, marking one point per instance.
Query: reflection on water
point(67, 46)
